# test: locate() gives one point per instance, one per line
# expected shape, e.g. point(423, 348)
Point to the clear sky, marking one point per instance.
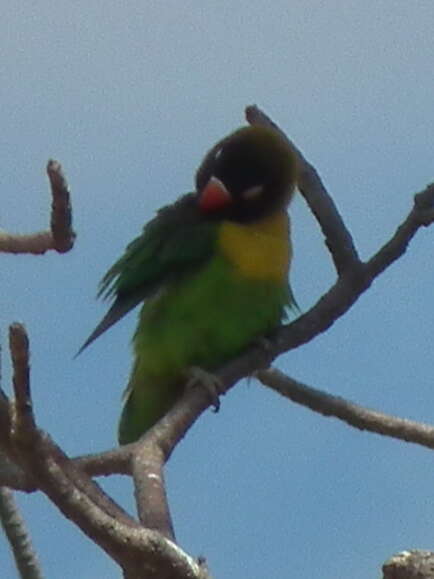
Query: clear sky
point(128, 96)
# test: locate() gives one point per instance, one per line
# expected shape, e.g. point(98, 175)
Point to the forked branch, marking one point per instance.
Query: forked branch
point(60, 236)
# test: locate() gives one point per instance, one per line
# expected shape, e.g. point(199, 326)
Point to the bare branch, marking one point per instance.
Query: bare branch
point(5, 421)
point(153, 450)
point(61, 212)
point(114, 461)
point(139, 551)
point(23, 419)
point(130, 546)
point(14, 477)
point(338, 238)
point(422, 214)
point(18, 537)
point(414, 564)
point(61, 236)
point(353, 414)
point(150, 489)
point(346, 291)
point(36, 449)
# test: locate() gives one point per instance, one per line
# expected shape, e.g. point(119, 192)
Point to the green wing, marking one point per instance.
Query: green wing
point(177, 241)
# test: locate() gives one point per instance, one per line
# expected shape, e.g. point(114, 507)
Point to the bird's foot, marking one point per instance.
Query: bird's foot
point(213, 385)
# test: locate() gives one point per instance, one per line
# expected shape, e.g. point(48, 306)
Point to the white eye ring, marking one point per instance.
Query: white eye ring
point(253, 192)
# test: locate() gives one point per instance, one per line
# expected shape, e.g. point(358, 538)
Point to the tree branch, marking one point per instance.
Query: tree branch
point(35, 449)
point(138, 551)
point(23, 419)
point(422, 215)
point(338, 238)
point(61, 236)
point(414, 564)
point(19, 539)
point(150, 489)
point(353, 414)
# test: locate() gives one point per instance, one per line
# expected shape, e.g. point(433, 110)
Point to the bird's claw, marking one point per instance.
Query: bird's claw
point(213, 385)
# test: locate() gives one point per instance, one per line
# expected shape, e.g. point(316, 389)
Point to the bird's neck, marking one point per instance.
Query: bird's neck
point(260, 250)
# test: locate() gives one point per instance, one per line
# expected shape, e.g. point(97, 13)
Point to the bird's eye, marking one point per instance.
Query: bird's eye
point(253, 192)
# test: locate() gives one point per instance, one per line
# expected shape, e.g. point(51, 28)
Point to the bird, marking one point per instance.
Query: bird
point(211, 270)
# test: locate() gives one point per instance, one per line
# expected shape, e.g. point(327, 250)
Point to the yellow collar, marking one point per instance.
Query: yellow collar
point(260, 250)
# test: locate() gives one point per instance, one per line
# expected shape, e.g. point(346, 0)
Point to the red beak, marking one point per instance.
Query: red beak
point(214, 196)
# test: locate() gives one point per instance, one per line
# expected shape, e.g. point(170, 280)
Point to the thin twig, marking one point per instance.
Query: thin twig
point(422, 215)
point(61, 212)
point(18, 536)
point(61, 236)
point(353, 414)
point(338, 238)
point(23, 419)
point(350, 285)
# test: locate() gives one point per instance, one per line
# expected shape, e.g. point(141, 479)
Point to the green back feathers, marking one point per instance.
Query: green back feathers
point(175, 240)
point(173, 244)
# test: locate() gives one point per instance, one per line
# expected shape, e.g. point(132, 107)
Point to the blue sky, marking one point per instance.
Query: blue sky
point(128, 96)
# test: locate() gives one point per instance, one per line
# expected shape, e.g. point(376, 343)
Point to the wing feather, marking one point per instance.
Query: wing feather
point(177, 241)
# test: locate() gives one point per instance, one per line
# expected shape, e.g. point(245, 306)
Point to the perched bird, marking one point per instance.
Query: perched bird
point(211, 270)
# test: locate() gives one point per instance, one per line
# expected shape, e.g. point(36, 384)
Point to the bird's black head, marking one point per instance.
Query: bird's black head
point(247, 175)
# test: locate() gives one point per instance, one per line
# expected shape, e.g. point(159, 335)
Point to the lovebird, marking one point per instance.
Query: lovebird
point(211, 270)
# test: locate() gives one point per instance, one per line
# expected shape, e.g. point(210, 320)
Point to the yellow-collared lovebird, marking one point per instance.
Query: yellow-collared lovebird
point(211, 270)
